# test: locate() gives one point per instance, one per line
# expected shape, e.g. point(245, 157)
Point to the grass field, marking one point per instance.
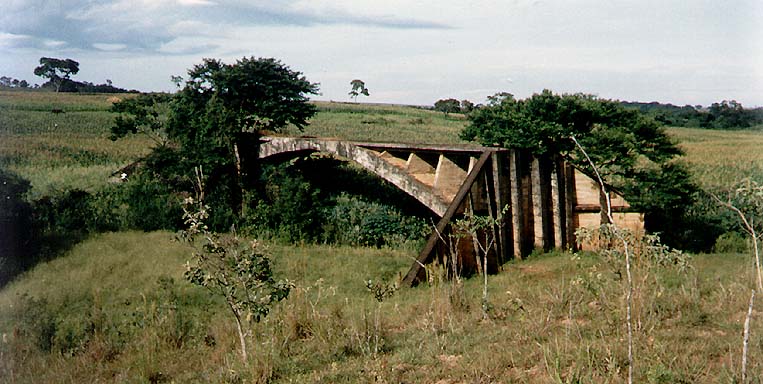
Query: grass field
point(62, 151)
point(720, 159)
point(112, 314)
point(116, 308)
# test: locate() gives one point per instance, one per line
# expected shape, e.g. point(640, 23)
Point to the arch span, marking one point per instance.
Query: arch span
point(412, 174)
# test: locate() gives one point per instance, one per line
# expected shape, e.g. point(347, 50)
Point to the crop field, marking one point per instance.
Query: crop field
point(116, 307)
point(720, 159)
point(385, 123)
point(65, 150)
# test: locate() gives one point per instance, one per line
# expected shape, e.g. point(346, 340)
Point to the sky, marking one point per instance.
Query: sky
point(409, 52)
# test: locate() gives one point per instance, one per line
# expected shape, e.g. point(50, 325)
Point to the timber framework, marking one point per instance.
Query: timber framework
point(544, 199)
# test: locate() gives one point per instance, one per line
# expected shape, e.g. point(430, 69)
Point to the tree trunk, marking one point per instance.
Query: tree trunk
point(241, 338)
point(239, 180)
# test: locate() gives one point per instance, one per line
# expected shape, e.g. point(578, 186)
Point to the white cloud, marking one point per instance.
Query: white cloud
point(110, 47)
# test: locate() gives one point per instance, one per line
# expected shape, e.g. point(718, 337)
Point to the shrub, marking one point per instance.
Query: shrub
point(15, 220)
point(731, 242)
point(353, 221)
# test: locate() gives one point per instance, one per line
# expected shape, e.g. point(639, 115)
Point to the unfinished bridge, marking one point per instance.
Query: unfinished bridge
point(544, 199)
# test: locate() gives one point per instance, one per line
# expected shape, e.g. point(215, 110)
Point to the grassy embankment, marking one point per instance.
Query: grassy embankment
point(108, 311)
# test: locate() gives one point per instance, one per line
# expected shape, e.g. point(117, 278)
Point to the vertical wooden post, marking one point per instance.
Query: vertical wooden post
point(517, 203)
point(501, 191)
point(570, 198)
point(557, 208)
point(536, 193)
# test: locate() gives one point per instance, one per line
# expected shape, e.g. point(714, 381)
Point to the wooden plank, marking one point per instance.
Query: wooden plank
point(425, 256)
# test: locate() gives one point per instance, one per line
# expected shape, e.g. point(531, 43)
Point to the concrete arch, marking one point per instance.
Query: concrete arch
point(372, 160)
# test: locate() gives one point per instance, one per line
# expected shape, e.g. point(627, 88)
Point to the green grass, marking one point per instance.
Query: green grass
point(66, 150)
point(719, 159)
point(383, 123)
point(554, 319)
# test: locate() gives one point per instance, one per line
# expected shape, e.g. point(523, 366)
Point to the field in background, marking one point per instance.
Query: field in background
point(65, 150)
point(719, 159)
point(385, 123)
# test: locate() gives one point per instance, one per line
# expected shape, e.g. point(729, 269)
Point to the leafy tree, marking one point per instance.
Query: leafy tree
point(56, 70)
point(467, 106)
point(726, 115)
point(234, 268)
point(218, 114)
point(144, 114)
point(634, 154)
point(358, 88)
point(447, 106)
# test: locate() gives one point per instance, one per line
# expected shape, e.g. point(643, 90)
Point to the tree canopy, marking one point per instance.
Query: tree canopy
point(358, 88)
point(448, 106)
point(56, 70)
point(215, 119)
point(633, 153)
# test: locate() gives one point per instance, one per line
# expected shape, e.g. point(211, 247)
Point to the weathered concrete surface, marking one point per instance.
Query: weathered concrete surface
point(368, 159)
point(448, 178)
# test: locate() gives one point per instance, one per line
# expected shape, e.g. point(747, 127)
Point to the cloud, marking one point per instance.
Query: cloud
point(152, 25)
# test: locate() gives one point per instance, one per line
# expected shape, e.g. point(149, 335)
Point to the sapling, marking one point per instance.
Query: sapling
point(232, 267)
point(475, 226)
point(626, 251)
point(747, 202)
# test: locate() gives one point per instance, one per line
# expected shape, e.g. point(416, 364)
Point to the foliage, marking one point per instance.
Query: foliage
point(467, 106)
point(143, 114)
point(231, 267)
point(358, 88)
point(221, 110)
point(633, 153)
point(221, 101)
point(316, 199)
point(56, 70)
point(724, 115)
point(351, 220)
point(730, 115)
point(16, 238)
point(9, 82)
point(447, 106)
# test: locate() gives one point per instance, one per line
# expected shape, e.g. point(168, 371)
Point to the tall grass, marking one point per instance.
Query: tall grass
point(112, 314)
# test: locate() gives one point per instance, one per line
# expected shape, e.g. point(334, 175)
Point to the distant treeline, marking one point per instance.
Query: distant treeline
point(723, 115)
point(67, 85)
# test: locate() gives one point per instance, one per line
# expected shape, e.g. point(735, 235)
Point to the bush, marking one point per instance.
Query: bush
point(353, 221)
point(15, 222)
point(731, 242)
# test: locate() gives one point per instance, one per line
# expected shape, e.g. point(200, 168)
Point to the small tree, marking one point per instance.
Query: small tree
point(358, 88)
point(231, 267)
point(56, 70)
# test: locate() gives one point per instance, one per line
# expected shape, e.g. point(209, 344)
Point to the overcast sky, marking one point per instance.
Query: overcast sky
point(413, 52)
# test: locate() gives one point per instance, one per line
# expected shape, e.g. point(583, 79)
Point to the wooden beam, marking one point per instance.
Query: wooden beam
point(425, 256)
